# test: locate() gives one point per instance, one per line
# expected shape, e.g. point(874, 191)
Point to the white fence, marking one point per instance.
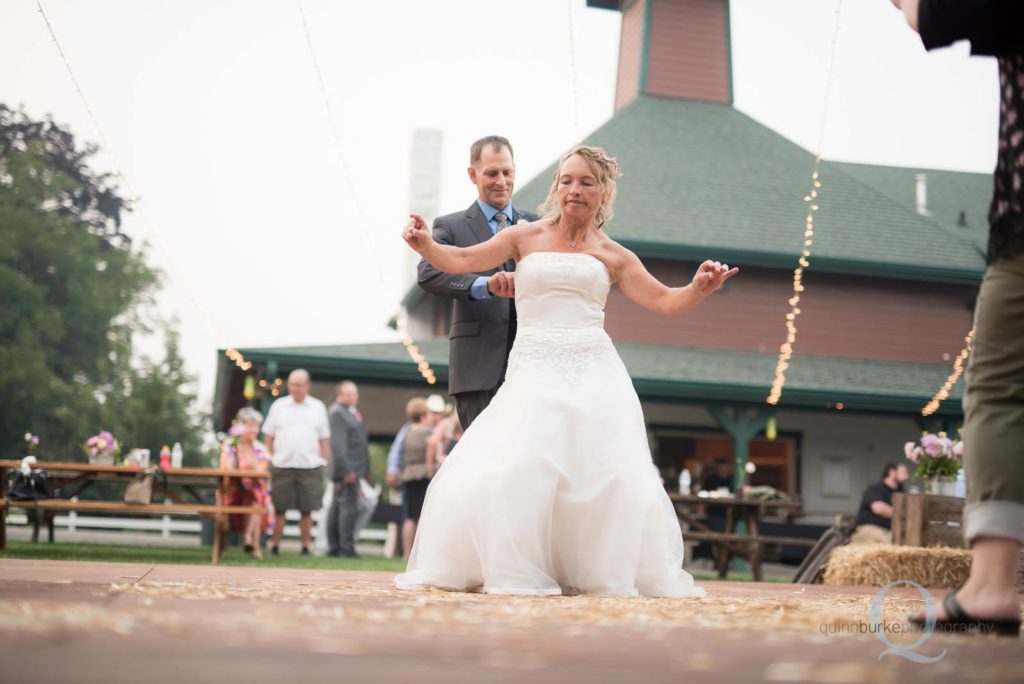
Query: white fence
point(167, 524)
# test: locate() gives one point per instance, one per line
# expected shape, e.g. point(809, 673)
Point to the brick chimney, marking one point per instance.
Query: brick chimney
point(673, 48)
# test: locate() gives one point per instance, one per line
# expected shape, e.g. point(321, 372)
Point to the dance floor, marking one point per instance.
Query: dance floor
point(109, 622)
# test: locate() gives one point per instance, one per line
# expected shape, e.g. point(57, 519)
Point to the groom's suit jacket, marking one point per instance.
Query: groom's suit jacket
point(482, 330)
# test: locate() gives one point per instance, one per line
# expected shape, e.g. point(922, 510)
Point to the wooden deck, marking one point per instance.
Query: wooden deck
point(105, 622)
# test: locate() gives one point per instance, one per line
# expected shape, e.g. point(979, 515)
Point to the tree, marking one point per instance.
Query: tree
point(154, 404)
point(74, 289)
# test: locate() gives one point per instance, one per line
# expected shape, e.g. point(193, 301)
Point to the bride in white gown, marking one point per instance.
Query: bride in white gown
point(552, 489)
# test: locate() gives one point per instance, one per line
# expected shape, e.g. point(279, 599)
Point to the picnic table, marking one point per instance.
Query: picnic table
point(731, 542)
point(179, 489)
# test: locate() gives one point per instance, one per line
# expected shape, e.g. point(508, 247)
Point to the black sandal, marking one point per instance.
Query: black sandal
point(248, 549)
point(957, 621)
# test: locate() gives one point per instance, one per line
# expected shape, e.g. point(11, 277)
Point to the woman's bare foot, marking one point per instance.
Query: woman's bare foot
point(256, 553)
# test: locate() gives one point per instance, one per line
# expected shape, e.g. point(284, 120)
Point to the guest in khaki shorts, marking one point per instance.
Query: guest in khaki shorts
point(299, 489)
point(297, 434)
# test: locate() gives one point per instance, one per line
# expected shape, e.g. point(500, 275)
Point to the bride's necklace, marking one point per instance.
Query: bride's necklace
point(572, 243)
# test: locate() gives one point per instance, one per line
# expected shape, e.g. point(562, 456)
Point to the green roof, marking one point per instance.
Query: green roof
point(949, 194)
point(705, 180)
point(678, 373)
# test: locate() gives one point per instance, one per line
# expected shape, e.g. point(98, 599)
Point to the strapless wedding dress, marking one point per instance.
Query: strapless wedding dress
point(552, 489)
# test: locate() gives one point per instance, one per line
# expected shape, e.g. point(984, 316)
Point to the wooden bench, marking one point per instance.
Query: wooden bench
point(747, 539)
point(63, 475)
point(749, 544)
point(218, 513)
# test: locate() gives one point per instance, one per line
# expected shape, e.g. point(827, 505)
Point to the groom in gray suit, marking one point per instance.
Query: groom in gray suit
point(484, 320)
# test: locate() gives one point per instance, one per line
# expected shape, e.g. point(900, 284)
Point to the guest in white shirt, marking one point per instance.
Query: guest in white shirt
point(297, 434)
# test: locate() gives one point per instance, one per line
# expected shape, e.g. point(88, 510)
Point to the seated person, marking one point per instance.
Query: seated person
point(242, 451)
point(874, 519)
point(715, 519)
point(720, 477)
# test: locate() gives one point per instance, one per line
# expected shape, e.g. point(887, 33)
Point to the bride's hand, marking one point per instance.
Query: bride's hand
point(416, 233)
point(711, 275)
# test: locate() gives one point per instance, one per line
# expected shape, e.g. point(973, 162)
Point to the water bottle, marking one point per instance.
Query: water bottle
point(176, 455)
point(165, 457)
point(684, 482)
point(960, 486)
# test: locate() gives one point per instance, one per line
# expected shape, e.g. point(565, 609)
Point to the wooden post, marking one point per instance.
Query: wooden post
point(754, 553)
point(899, 518)
point(915, 520)
point(724, 551)
point(742, 425)
point(218, 531)
point(36, 513)
point(3, 509)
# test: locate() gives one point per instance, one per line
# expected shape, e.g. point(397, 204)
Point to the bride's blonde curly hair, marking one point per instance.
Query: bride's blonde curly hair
point(605, 170)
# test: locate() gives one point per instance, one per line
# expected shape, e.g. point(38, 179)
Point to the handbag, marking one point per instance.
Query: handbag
point(140, 489)
point(31, 486)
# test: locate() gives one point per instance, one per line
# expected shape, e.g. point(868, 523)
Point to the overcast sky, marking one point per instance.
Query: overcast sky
point(212, 111)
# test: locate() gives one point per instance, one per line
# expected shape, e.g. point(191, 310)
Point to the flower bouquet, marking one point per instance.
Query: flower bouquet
point(938, 460)
point(31, 442)
point(102, 448)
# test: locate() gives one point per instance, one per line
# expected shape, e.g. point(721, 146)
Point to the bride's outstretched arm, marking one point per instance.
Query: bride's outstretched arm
point(643, 288)
point(481, 257)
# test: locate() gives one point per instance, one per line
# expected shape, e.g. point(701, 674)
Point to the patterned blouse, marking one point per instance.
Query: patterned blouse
point(994, 28)
point(257, 458)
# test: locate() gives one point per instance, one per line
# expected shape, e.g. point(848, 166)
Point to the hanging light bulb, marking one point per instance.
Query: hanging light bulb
point(249, 390)
point(771, 429)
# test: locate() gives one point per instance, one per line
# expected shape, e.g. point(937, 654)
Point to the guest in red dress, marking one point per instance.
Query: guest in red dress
point(242, 451)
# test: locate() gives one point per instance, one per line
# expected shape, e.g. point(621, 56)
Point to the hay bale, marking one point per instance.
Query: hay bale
point(875, 565)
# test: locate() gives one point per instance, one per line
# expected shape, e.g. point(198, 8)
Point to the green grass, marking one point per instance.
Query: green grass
point(188, 555)
point(235, 557)
point(701, 576)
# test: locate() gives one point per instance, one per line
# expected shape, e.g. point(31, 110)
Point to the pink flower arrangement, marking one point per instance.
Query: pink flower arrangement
point(31, 442)
point(913, 452)
point(102, 447)
point(936, 456)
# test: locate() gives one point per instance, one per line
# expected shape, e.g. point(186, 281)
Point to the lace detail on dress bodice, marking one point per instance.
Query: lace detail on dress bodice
point(569, 351)
point(560, 299)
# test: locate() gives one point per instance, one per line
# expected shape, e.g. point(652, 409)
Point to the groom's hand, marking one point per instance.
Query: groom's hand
point(502, 284)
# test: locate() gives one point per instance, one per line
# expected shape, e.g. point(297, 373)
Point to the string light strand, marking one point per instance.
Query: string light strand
point(572, 74)
point(414, 353)
point(958, 369)
point(804, 262)
point(166, 262)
